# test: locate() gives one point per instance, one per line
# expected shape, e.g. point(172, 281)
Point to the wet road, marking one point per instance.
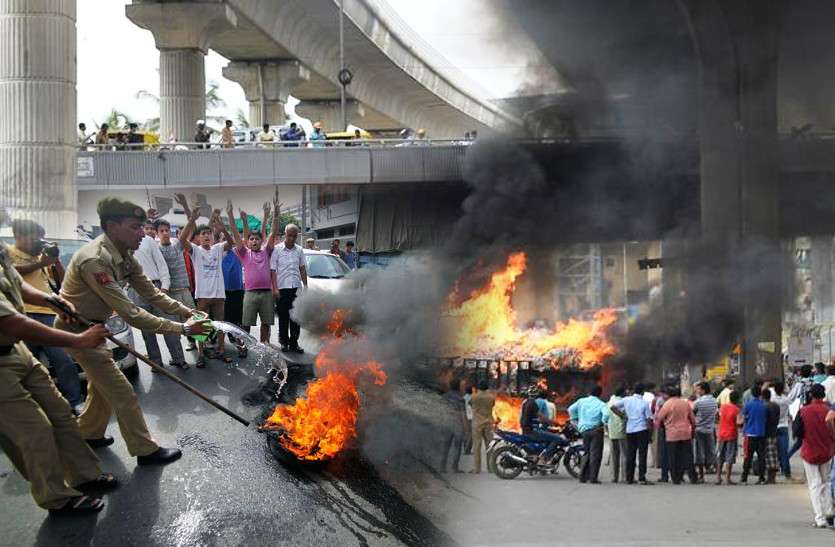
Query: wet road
point(228, 489)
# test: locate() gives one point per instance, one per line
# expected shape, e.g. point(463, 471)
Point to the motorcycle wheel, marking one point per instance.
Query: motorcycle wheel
point(573, 462)
point(504, 466)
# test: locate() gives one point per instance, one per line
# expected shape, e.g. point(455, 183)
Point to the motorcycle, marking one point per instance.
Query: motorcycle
point(511, 453)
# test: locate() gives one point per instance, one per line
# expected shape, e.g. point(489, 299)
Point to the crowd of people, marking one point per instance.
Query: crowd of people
point(159, 283)
point(695, 437)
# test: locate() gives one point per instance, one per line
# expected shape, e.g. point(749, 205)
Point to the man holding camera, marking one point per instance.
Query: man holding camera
point(38, 263)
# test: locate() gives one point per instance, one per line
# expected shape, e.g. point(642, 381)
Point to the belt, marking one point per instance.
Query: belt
point(260, 290)
point(5, 350)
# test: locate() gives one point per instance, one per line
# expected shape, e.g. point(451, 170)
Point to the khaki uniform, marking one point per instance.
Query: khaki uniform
point(95, 283)
point(37, 429)
point(482, 403)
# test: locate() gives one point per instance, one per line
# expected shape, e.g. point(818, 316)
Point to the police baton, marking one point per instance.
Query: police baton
point(66, 310)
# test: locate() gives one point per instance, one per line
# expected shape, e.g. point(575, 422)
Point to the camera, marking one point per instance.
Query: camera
point(47, 248)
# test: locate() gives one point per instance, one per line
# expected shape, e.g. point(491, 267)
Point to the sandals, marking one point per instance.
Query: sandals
point(79, 505)
point(104, 482)
point(201, 363)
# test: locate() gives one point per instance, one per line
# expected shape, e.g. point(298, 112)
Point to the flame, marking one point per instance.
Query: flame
point(508, 411)
point(487, 323)
point(321, 424)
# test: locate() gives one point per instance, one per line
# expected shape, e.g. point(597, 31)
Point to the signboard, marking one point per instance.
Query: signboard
point(85, 167)
point(801, 350)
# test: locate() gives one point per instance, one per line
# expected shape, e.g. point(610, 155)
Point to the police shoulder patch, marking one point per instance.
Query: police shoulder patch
point(102, 277)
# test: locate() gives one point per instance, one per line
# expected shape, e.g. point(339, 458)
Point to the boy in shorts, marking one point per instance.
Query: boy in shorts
point(255, 258)
point(729, 418)
point(209, 289)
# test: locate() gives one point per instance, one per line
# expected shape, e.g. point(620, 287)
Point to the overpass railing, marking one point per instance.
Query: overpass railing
point(184, 165)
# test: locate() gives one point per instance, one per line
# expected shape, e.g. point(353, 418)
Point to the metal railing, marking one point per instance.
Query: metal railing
point(300, 144)
point(161, 166)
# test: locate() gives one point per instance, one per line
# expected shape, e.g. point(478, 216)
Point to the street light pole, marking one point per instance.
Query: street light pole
point(342, 63)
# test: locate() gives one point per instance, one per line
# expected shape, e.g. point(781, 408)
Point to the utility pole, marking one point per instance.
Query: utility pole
point(342, 81)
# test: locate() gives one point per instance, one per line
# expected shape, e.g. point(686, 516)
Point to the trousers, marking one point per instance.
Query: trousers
point(680, 455)
point(453, 442)
point(288, 330)
point(482, 432)
point(109, 392)
point(618, 454)
point(66, 375)
point(637, 445)
point(817, 478)
point(172, 341)
point(593, 443)
point(756, 445)
point(39, 433)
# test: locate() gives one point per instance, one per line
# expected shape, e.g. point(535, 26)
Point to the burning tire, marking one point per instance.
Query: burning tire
point(573, 461)
point(508, 462)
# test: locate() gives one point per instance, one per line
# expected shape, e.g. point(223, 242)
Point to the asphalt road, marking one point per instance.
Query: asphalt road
point(228, 489)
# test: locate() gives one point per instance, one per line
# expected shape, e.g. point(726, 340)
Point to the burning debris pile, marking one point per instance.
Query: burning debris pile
point(323, 423)
point(486, 328)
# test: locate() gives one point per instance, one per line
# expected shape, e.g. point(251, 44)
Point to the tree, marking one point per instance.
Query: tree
point(213, 101)
point(240, 119)
point(116, 119)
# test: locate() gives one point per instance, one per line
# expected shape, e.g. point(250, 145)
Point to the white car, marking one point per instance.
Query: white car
point(325, 270)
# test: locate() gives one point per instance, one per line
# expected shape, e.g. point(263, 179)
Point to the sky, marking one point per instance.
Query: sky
point(116, 59)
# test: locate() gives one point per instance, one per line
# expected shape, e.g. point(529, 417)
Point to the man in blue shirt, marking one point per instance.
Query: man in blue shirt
point(534, 425)
point(351, 257)
point(755, 413)
point(233, 279)
point(638, 417)
point(589, 414)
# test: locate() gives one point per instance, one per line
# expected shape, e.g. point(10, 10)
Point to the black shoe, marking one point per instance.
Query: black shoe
point(161, 456)
point(107, 440)
point(296, 349)
point(103, 483)
point(285, 347)
point(595, 481)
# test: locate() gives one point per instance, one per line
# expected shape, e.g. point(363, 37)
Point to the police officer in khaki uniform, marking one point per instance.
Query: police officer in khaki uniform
point(95, 283)
point(38, 431)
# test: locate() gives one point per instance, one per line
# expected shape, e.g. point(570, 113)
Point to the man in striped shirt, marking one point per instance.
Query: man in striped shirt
point(704, 409)
point(179, 288)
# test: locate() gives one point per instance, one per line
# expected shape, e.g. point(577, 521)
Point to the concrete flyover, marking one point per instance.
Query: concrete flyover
point(277, 48)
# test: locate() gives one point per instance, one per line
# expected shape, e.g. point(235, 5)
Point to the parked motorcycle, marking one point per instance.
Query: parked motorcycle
point(511, 453)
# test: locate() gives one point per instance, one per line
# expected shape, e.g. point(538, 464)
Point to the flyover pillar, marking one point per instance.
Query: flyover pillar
point(329, 112)
point(737, 44)
point(37, 106)
point(182, 32)
point(266, 85)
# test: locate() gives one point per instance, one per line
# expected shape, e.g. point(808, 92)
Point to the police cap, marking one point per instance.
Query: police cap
point(119, 209)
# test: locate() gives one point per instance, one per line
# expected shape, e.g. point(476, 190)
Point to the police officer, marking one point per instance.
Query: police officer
point(94, 282)
point(38, 431)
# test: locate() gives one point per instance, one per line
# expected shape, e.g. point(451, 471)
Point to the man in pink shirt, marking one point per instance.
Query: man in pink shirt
point(679, 424)
point(255, 259)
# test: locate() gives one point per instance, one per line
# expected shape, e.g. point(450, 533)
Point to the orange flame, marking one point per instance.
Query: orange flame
point(487, 323)
point(508, 411)
point(321, 424)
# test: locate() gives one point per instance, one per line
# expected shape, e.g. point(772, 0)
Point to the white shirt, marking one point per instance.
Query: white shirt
point(287, 264)
point(266, 136)
point(152, 261)
point(208, 271)
point(829, 389)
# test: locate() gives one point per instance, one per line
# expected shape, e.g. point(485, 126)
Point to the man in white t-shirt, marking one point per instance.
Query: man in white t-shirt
point(288, 272)
point(207, 258)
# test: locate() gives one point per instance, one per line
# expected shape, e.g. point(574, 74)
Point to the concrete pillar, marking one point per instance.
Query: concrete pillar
point(822, 278)
point(37, 106)
point(182, 92)
point(266, 84)
point(329, 112)
point(737, 47)
point(182, 32)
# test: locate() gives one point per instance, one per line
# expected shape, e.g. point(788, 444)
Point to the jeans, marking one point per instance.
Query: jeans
point(172, 341)
point(593, 443)
point(66, 375)
point(554, 440)
point(705, 448)
point(452, 443)
point(288, 330)
point(636, 445)
point(783, 450)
